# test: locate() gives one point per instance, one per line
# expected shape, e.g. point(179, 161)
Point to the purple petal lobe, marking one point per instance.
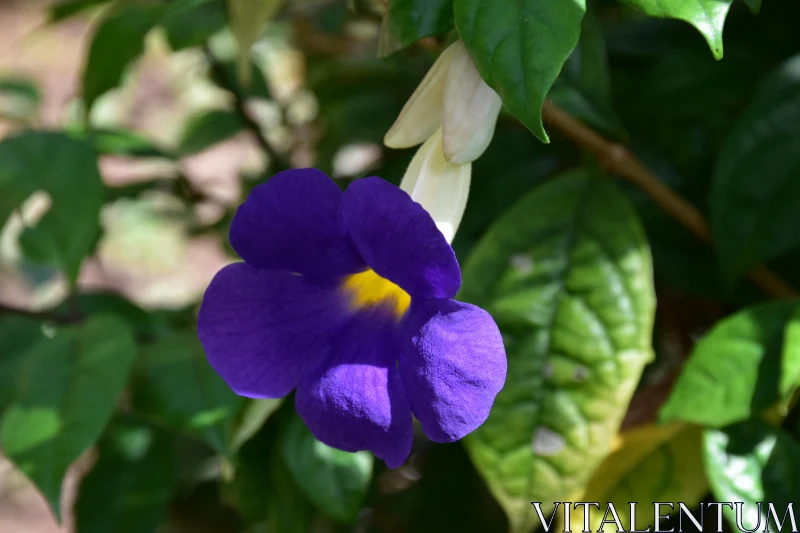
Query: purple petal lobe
point(453, 364)
point(261, 330)
point(293, 222)
point(399, 240)
point(355, 400)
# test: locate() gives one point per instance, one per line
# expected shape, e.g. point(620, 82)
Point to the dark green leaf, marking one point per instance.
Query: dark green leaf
point(120, 142)
point(129, 487)
point(66, 391)
point(67, 170)
point(755, 190)
point(195, 23)
point(519, 47)
point(754, 5)
point(251, 419)
point(334, 480)
point(177, 387)
point(17, 334)
point(567, 275)
point(753, 463)
point(408, 21)
point(119, 40)
point(207, 129)
point(734, 371)
point(68, 8)
point(708, 16)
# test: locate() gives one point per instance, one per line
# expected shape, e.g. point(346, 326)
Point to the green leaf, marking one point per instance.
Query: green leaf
point(754, 5)
point(129, 487)
point(195, 23)
point(654, 463)
point(118, 141)
point(751, 462)
point(755, 190)
point(19, 99)
point(734, 371)
point(790, 358)
point(334, 480)
point(66, 391)
point(64, 10)
point(17, 335)
point(408, 21)
point(566, 273)
point(584, 86)
point(67, 170)
point(251, 419)
point(175, 386)
point(209, 128)
point(519, 47)
point(708, 16)
point(119, 40)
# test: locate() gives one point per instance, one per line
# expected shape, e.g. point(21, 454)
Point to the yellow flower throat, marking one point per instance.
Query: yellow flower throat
point(368, 289)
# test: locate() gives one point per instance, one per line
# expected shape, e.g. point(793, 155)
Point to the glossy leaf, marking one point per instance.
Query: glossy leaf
point(652, 464)
point(207, 129)
point(65, 392)
point(519, 48)
point(67, 170)
point(408, 21)
point(733, 373)
point(334, 480)
point(566, 273)
point(118, 40)
point(708, 16)
point(128, 489)
point(177, 387)
point(751, 462)
point(755, 189)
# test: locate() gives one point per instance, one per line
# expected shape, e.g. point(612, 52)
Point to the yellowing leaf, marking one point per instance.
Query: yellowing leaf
point(247, 19)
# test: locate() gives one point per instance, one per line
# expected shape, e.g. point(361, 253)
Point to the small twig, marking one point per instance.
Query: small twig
point(239, 101)
point(73, 317)
point(617, 159)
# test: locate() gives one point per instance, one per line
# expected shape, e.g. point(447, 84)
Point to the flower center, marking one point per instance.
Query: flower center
point(368, 289)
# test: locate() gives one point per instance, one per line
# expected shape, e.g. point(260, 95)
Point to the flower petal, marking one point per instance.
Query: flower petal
point(261, 330)
point(293, 222)
point(399, 240)
point(453, 364)
point(355, 401)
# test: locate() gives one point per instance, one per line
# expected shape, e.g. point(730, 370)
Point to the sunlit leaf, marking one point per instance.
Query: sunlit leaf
point(519, 48)
point(753, 463)
point(734, 371)
point(65, 392)
point(566, 273)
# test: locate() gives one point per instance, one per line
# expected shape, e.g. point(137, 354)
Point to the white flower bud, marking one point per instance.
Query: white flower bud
point(422, 114)
point(439, 186)
point(471, 109)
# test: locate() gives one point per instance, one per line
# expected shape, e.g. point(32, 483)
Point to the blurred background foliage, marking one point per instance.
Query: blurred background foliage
point(644, 363)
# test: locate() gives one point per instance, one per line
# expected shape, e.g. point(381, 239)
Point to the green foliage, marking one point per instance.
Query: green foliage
point(571, 290)
point(519, 48)
point(612, 395)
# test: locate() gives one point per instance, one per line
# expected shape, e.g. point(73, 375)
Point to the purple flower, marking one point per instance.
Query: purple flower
point(348, 298)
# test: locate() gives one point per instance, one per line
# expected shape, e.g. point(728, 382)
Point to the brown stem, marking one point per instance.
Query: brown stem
point(617, 159)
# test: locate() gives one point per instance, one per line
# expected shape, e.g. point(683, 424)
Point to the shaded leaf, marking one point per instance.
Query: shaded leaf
point(708, 16)
point(195, 23)
point(334, 480)
point(209, 128)
point(67, 170)
point(751, 462)
point(118, 40)
point(17, 335)
point(129, 487)
point(566, 273)
point(65, 392)
point(408, 21)
point(734, 371)
point(175, 386)
point(755, 189)
point(69, 8)
point(251, 419)
point(519, 48)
